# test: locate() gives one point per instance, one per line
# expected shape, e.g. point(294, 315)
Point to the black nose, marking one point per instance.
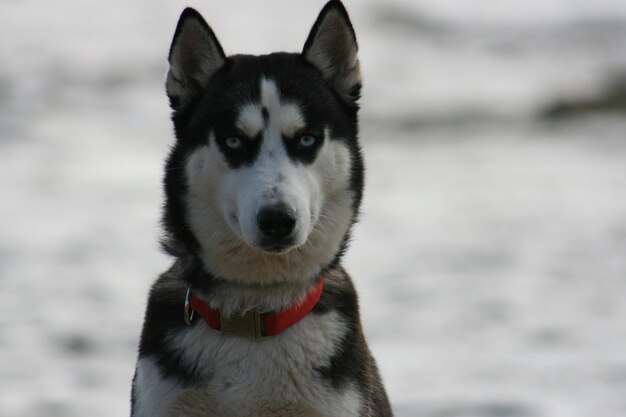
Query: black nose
point(276, 222)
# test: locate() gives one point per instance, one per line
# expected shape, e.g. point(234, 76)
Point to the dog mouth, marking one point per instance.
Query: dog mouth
point(277, 246)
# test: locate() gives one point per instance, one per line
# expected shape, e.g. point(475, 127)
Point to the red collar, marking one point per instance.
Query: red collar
point(254, 324)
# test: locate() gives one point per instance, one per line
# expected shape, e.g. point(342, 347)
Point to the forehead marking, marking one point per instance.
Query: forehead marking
point(266, 116)
point(284, 118)
point(250, 121)
point(271, 115)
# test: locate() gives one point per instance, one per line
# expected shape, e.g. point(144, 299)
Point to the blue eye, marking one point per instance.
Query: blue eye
point(307, 141)
point(233, 142)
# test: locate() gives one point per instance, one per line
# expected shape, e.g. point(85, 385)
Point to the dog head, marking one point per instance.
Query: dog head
point(265, 178)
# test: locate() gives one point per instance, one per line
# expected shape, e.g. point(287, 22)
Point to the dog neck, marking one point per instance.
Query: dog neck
point(235, 297)
point(255, 324)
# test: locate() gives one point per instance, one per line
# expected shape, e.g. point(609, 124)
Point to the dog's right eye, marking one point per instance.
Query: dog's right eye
point(238, 149)
point(233, 142)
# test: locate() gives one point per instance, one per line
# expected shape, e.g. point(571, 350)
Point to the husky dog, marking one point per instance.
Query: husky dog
point(256, 316)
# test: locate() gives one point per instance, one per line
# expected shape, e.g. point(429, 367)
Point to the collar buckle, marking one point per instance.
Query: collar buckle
point(248, 325)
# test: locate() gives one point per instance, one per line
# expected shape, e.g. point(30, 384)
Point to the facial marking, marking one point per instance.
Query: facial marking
point(283, 118)
point(251, 120)
point(271, 116)
point(266, 116)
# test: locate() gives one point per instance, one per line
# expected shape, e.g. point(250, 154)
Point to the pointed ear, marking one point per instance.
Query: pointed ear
point(195, 56)
point(332, 48)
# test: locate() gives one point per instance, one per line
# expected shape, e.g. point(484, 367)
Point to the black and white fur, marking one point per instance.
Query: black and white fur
point(262, 187)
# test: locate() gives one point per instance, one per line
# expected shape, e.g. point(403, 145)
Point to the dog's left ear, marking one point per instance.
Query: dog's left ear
point(332, 48)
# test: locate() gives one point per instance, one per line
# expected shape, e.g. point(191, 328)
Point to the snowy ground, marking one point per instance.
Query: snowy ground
point(491, 255)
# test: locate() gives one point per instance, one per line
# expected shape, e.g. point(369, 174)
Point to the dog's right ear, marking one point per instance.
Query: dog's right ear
point(195, 56)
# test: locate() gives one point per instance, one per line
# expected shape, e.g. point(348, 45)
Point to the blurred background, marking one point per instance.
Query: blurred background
point(491, 254)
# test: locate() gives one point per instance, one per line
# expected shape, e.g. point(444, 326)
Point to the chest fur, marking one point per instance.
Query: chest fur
point(238, 375)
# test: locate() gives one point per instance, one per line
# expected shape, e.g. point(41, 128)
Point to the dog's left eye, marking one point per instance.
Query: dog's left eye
point(307, 141)
point(233, 142)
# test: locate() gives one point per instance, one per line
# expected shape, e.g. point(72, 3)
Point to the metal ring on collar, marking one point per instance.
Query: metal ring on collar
point(188, 310)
